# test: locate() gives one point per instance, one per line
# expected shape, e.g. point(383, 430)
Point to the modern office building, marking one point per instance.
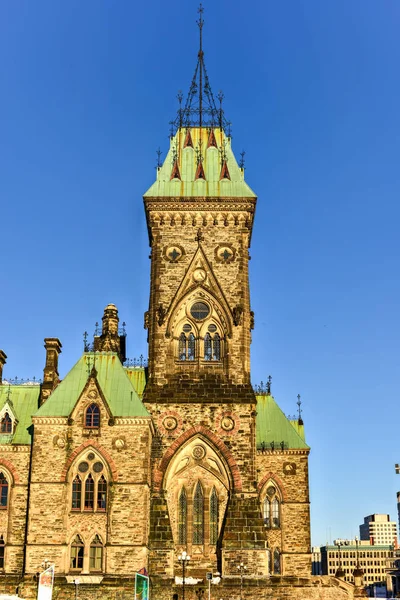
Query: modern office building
point(378, 529)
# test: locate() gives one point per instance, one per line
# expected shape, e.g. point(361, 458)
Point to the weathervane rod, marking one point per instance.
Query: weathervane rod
point(200, 23)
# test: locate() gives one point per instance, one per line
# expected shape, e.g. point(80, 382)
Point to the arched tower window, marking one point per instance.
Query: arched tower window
point(3, 491)
point(213, 517)
point(182, 517)
point(277, 561)
point(271, 508)
point(207, 347)
point(76, 562)
point(6, 424)
point(96, 554)
point(76, 493)
point(92, 417)
point(2, 552)
point(89, 485)
point(198, 515)
point(191, 347)
point(182, 347)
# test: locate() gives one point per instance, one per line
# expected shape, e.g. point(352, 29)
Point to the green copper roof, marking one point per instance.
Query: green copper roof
point(113, 380)
point(222, 175)
point(137, 376)
point(23, 403)
point(272, 425)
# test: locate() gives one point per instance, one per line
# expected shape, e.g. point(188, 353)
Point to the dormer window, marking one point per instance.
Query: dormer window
point(92, 417)
point(6, 425)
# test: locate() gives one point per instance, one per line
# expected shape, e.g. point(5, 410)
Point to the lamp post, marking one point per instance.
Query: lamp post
point(339, 571)
point(183, 559)
point(242, 567)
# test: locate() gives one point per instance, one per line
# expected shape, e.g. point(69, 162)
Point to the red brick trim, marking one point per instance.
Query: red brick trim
point(275, 478)
point(100, 450)
point(8, 465)
point(216, 441)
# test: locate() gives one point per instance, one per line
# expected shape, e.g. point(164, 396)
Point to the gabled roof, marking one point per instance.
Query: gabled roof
point(25, 401)
point(177, 176)
point(113, 380)
point(272, 425)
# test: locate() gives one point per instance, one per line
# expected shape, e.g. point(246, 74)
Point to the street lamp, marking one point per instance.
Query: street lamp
point(183, 559)
point(339, 571)
point(242, 567)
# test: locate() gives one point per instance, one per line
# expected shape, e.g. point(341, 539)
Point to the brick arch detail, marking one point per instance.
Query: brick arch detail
point(216, 441)
point(90, 443)
point(278, 480)
point(10, 467)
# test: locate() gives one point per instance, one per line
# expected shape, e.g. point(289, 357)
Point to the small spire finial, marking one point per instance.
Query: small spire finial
point(85, 344)
point(241, 162)
point(158, 152)
point(299, 409)
point(269, 385)
point(199, 237)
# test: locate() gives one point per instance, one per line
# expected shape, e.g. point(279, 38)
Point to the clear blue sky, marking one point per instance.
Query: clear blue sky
point(312, 89)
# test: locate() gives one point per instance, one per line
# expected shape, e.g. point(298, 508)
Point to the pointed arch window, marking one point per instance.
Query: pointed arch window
point(277, 561)
point(96, 554)
point(272, 508)
point(76, 493)
point(198, 515)
point(89, 493)
point(92, 417)
point(3, 491)
point(182, 517)
point(207, 347)
point(101, 493)
point(213, 517)
point(6, 425)
point(76, 563)
point(2, 551)
point(216, 347)
point(191, 347)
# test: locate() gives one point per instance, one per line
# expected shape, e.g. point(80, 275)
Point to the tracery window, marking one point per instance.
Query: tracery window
point(89, 486)
point(77, 546)
point(2, 551)
point(212, 346)
point(96, 554)
point(213, 517)
point(271, 508)
point(198, 515)
point(3, 491)
point(182, 517)
point(92, 416)
point(6, 425)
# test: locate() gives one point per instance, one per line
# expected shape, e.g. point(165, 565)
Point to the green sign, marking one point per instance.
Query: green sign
point(141, 587)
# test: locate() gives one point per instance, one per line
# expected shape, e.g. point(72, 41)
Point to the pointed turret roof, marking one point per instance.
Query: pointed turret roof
point(273, 426)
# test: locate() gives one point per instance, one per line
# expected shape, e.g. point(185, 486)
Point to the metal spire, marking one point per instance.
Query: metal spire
point(200, 109)
point(299, 409)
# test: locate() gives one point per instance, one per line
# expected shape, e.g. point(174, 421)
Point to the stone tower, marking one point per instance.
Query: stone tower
point(200, 215)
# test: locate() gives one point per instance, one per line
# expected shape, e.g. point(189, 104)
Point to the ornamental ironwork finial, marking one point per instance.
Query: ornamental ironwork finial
point(299, 411)
point(200, 109)
point(269, 385)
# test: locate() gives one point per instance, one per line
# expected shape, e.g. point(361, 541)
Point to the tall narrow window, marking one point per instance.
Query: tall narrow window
point(277, 561)
point(198, 515)
point(76, 493)
point(96, 555)
point(191, 347)
point(213, 517)
point(182, 517)
point(217, 347)
point(76, 554)
point(271, 508)
point(267, 513)
point(6, 424)
point(89, 493)
point(2, 550)
point(3, 491)
point(182, 347)
point(275, 513)
point(92, 418)
point(101, 493)
point(207, 347)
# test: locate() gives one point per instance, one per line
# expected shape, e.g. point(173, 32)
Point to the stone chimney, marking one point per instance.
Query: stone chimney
point(110, 340)
point(3, 360)
point(50, 372)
